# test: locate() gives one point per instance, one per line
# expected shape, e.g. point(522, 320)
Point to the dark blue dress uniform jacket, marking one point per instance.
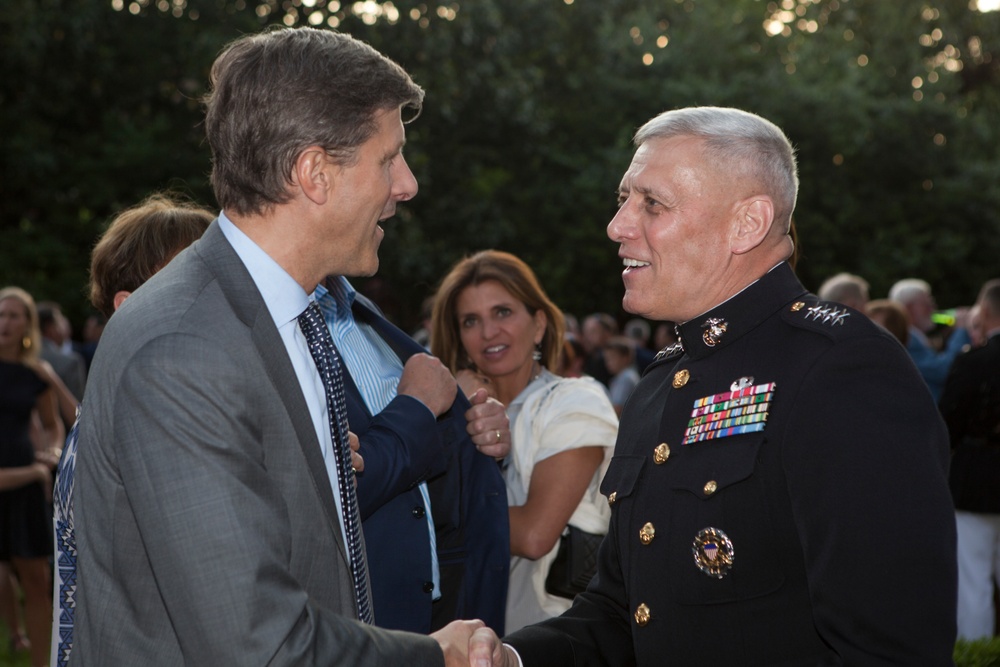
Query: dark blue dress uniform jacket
point(402, 446)
point(836, 515)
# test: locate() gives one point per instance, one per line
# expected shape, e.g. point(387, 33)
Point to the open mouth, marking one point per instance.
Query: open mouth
point(630, 263)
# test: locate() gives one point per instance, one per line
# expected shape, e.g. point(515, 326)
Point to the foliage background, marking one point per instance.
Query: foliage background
point(531, 104)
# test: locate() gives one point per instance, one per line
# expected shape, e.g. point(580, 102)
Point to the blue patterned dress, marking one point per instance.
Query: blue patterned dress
point(64, 572)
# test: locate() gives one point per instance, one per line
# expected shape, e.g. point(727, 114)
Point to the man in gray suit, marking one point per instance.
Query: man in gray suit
point(208, 508)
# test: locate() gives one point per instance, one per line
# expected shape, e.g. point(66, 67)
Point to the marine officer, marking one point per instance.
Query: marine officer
point(778, 488)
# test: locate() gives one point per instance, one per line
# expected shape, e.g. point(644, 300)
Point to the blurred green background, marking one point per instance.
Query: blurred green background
point(531, 104)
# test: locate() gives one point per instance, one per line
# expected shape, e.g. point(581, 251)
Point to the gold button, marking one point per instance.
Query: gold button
point(681, 378)
point(646, 533)
point(612, 497)
point(797, 306)
point(642, 614)
point(710, 487)
point(661, 453)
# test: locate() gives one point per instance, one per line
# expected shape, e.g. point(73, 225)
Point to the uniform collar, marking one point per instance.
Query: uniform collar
point(729, 321)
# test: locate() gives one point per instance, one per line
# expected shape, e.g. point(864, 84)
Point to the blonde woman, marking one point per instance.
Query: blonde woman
point(29, 389)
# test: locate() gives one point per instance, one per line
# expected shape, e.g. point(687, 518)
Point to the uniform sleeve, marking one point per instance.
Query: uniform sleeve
point(865, 454)
point(213, 523)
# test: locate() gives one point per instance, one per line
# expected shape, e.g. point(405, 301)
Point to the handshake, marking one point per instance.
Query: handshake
point(472, 644)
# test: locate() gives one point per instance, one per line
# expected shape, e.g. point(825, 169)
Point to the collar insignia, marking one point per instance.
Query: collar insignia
point(714, 328)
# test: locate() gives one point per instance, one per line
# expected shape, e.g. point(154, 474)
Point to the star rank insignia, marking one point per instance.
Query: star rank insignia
point(826, 314)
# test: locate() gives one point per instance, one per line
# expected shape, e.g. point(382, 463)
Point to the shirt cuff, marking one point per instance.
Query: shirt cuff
point(520, 662)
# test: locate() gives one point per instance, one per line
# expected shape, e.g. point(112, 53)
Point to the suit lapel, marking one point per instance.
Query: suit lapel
point(249, 307)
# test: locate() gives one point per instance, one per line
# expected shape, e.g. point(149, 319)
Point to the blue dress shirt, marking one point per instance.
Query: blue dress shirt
point(375, 369)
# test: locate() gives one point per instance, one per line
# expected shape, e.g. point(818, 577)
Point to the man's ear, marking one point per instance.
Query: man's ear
point(313, 174)
point(754, 219)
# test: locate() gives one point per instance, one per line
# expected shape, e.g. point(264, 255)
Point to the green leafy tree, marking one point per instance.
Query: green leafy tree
point(527, 125)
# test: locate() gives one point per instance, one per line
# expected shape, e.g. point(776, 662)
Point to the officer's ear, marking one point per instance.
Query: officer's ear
point(754, 219)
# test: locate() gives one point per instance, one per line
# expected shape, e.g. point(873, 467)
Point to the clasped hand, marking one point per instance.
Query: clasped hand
point(472, 644)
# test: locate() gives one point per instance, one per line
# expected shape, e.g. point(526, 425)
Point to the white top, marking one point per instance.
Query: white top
point(553, 415)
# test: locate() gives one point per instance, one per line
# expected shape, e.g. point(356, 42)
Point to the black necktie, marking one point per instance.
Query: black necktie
point(324, 353)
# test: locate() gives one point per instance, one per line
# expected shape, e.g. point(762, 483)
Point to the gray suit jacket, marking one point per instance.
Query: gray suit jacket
point(206, 524)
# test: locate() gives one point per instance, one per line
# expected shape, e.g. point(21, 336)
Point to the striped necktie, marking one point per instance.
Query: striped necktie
point(324, 353)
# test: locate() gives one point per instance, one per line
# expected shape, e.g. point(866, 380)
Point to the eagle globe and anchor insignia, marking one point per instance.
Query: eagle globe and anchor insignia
point(713, 552)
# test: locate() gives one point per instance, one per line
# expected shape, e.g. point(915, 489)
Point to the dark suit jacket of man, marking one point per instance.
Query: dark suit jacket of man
point(205, 518)
point(970, 404)
point(402, 446)
point(825, 509)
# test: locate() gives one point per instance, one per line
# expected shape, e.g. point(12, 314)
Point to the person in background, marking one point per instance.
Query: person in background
point(572, 357)
point(68, 364)
point(139, 242)
point(976, 328)
point(596, 330)
point(28, 386)
point(846, 289)
point(891, 316)
point(638, 330)
point(970, 404)
point(496, 329)
point(756, 461)
point(915, 296)
point(619, 357)
point(93, 327)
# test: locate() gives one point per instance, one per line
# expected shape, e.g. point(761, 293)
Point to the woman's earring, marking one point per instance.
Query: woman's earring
point(26, 343)
point(536, 355)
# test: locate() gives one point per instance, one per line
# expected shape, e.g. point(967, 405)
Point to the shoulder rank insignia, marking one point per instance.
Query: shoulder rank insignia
point(827, 314)
point(733, 412)
point(671, 350)
point(713, 552)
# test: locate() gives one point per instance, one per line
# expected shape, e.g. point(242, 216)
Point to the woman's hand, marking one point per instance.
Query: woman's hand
point(488, 425)
point(469, 381)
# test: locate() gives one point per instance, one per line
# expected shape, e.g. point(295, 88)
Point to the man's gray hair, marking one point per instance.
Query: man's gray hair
point(845, 288)
point(907, 290)
point(740, 141)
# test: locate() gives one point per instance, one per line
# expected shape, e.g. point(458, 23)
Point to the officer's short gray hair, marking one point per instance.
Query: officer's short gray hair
point(741, 142)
